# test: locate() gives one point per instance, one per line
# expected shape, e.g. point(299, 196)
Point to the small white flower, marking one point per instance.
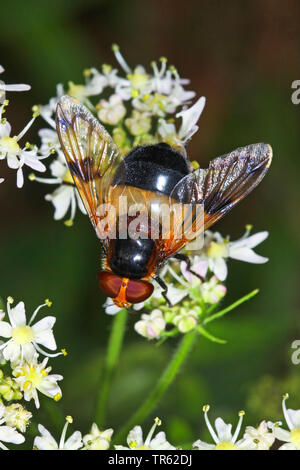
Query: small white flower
point(33, 377)
point(18, 87)
point(261, 437)
point(8, 433)
point(112, 309)
point(190, 118)
point(111, 75)
point(17, 156)
point(79, 92)
point(95, 82)
point(47, 442)
point(24, 338)
point(186, 321)
point(291, 437)
point(175, 294)
point(49, 141)
point(155, 104)
point(212, 291)
point(135, 440)
point(167, 130)
point(138, 82)
point(65, 196)
point(138, 123)
point(96, 439)
point(169, 83)
point(151, 326)
point(17, 417)
point(198, 266)
point(111, 111)
point(219, 249)
point(223, 437)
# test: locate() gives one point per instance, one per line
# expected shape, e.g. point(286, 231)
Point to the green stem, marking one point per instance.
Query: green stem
point(111, 360)
point(161, 387)
point(54, 412)
point(231, 307)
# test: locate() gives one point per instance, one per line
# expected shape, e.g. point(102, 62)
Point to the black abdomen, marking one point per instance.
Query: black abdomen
point(157, 168)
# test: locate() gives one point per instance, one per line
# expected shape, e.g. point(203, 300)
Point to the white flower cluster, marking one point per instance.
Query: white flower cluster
point(254, 438)
point(138, 108)
point(21, 347)
point(196, 291)
point(94, 440)
point(16, 155)
point(261, 437)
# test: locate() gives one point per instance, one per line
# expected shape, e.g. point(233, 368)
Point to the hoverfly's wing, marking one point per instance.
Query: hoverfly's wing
point(210, 193)
point(90, 152)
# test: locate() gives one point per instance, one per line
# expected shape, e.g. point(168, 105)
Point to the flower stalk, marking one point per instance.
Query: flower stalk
point(228, 309)
point(162, 385)
point(111, 360)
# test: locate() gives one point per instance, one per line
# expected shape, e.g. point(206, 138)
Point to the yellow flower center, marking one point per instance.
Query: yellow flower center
point(10, 144)
point(77, 91)
point(295, 437)
point(22, 334)
point(133, 445)
point(138, 79)
point(217, 250)
point(159, 100)
point(225, 446)
point(33, 377)
point(68, 178)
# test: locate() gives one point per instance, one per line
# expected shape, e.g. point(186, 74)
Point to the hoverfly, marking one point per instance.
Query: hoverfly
point(158, 173)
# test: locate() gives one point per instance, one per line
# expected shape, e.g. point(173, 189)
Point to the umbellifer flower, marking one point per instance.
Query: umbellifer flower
point(17, 417)
point(66, 195)
point(223, 437)
point(8, 433)
point(138, 123)
point(292, 436)
point(212, 291)
point(96, 439)
point(34, 377)
point(135, 439)
point(23, 338)
point(151, 326)
point(219, 249)
point(15, 155)
point(141, 107)
point(111, 111)
point(186, 320)
point(259, 438)
point(47, 442)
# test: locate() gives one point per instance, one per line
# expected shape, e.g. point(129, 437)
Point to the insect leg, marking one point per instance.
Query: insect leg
point(186, 259)
point(164, 286)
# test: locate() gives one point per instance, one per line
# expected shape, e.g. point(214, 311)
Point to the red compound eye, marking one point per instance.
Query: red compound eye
point(110, 283)
point(138, 291)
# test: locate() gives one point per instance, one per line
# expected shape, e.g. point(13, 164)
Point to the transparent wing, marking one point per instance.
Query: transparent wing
point(216, 190)
point(90, 152)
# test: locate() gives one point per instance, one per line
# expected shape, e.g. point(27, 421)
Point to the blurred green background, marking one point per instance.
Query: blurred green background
point(243, 56)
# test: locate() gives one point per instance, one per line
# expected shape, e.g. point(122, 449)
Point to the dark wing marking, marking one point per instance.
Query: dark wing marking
point(217, 189)
point(90, 152)
point(230, 178)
